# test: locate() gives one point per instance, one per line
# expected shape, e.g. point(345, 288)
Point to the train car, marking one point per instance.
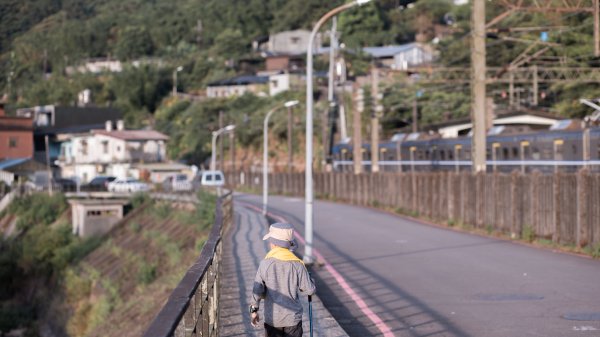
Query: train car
point(547, 151)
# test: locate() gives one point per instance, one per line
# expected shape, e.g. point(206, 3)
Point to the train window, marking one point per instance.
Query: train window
point(546, 154)
point(505, 153)
point(426, 154)
point(574, 147)
point(442, 155)
point(515, 152)
point(525, 151)
point(451, 155)
point(536, 153)
point(488, 154)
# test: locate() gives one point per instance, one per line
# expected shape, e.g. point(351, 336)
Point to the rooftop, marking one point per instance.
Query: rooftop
point(241, 80)
point(135, 135)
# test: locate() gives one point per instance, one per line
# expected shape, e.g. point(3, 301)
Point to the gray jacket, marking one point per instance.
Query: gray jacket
point(278, 283)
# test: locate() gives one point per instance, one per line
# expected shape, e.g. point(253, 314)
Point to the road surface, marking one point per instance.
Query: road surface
point(389, 276)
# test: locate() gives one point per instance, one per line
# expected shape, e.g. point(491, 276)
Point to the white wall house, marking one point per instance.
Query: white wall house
point(282, 82)
point(402, 56)
point(291, 42)
point(110, 152)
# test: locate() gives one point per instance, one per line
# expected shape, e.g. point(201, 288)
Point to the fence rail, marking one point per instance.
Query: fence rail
point(562, 207)
point(193, 307)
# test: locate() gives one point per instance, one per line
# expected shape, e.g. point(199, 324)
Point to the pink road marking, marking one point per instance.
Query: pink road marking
point(384, 328)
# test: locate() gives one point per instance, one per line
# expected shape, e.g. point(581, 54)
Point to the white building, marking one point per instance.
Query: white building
point(237, 86)
point(291, 42)
point(110, 152)
point(402, 56)
point(284, 81)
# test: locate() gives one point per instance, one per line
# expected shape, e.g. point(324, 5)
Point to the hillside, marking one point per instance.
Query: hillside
point(64, 286)
point(209, 39)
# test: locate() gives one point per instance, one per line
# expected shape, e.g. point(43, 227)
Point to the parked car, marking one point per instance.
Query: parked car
point(177, 183)
point(100, 183)
point(128, 185)
point(212, 179)
point(65, 185)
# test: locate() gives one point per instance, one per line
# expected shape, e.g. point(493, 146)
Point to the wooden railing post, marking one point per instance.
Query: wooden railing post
point(583, 193)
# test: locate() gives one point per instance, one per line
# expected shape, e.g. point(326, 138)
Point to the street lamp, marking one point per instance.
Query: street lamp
point(288, 105)
point(216, 134)
point(308, 208)
point(180, 68)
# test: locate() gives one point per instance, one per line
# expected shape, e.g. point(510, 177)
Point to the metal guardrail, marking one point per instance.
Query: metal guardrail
point(193, 307)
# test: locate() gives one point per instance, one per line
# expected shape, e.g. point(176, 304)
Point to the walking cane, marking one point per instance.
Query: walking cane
point(310, 314)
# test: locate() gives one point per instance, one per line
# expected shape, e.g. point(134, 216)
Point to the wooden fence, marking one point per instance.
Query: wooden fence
point(563, 207)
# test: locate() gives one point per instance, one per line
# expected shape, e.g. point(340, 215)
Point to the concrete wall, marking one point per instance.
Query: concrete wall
point(92, 220)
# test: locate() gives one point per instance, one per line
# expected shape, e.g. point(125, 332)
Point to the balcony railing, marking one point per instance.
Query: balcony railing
point(193, 307)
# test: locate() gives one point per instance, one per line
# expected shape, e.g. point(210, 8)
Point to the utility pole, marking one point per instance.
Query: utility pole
point(199, 33)
point(220, 141)
point(332, 50)
point(375, 120)
point(478, 86)
point(535, 85)
point(596, 28)
point(415, 115)
point(232, 151)
point(359, 106)
point(290, 128)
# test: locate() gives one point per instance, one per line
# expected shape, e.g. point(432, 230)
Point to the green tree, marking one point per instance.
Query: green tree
point(133, 42)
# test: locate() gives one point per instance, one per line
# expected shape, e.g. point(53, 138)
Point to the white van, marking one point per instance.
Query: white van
point(212, 178)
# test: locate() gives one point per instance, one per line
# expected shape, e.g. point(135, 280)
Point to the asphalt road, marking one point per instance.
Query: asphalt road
point(420, 280)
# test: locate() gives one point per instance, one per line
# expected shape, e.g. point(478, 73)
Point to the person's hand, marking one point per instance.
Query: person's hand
point(255, 319)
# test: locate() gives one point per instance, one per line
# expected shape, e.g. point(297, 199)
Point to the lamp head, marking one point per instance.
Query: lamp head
point(180, 68)
point(290, 104)
point(362, 2)
point(229, 127)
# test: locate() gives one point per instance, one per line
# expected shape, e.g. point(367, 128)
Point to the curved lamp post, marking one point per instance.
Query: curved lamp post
point(308, 206)
point(216, 134)
point(178, 69)
point(287, 104)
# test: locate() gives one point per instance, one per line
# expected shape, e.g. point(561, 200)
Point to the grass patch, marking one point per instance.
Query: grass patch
point(135, 227)
point(527, 234)
point(140, 198)
point(147, 273)
point(162, 210)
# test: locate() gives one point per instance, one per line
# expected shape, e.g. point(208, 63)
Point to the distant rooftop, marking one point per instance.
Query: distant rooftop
point(8, 163)
point(388, 51)
point(133, 135)
point(241, 80)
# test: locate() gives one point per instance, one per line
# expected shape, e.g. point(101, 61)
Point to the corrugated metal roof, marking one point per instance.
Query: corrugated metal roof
point(8, 163)
point(388, 51)
point(133, 134)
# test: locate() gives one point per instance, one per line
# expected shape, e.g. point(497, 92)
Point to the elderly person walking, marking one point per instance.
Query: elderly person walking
point(280, 276)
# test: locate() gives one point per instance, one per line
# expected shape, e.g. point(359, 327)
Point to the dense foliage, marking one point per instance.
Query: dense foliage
point(35, 257)
point(39, 40)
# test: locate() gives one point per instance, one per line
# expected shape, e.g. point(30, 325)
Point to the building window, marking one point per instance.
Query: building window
point(274, 83)
point(295, 40)
point(105, 147)
point(84, 148)
point(12, 142)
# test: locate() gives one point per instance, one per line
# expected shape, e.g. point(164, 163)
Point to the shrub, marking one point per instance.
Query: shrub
point(37, 209)
point(140, 198)
point(527, 233)
point(147, 273)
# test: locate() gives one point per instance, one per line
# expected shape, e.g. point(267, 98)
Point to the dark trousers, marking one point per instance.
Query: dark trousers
point(286, 331)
